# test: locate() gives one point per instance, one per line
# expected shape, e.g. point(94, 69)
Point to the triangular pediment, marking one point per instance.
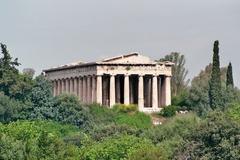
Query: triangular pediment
point(132, 58)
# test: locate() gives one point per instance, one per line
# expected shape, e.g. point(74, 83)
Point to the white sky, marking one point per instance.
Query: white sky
point(48, 33)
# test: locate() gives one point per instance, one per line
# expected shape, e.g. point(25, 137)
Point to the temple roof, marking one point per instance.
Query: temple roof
point(126, 59)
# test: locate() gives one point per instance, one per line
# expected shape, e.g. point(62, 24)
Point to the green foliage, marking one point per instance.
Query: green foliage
point(12, 83)
point(125, 108)
point(216, 138)
point(69, 111)
point(106, 116)
point(36, 140)
point(168, 111)
point(181, 100)
point(101, 132)
point(170, 136)
point(178, 80)
point(139, 120)
point(215, 94)
point(229, 81)
point(120, 147)
point(178, 126)
point(42, 101)
point(233, 111)
point(9, 109)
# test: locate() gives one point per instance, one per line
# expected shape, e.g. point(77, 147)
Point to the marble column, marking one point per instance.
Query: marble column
point(126, 89)
point(54, 87)
point(80, 85)
point(89, 90)
point(67, 85)
point(154, 93)
point(70, 85)
point(99, 89)
point(58, 87)
point(93, 89)
point(140, 93)
point(84, 95)
point(75, 86)
point(167, 91)
point(63, 86)
point(112, 90)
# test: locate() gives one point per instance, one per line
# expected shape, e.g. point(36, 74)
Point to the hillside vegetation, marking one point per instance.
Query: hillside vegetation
point(34, 125)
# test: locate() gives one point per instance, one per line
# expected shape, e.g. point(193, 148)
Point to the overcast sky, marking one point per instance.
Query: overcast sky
point(46, 33)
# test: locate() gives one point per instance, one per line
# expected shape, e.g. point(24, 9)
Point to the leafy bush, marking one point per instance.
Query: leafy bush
point(120, 147)
point(102, 115)
point(216, 138)
point(139, 120)
point(36, 140)
point(168, 111)
point(9, 109)
point(69, 111)
point(179, 126)
point(125, 108)
point(102, 132)
point(105, 116)
point(234, 111)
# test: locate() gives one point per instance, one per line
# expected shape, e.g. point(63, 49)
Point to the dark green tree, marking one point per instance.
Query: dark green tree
point(179, 72)
point(12, 83)
point(229, 82)
point(215, 80)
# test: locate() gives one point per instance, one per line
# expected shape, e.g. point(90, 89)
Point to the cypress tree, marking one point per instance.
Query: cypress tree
point(215, 81)
point(229, 82)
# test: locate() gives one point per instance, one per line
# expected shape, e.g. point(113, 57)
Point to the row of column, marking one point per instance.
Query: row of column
point(165, 91)
point(82, 87)
point(89, 89)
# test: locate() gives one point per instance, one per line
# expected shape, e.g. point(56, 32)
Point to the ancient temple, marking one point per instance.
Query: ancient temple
point(125, 79)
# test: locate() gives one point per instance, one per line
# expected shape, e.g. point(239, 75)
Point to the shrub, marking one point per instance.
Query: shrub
point(9, 109)
point(36, 140)
point(69, 111)
point(120, 147)
point(179, 126)
point(125, 108)
point(102, 115)
point(168, 111)
point(139, 120)
point(216, 138)
point(234, 111)
point(102, 132)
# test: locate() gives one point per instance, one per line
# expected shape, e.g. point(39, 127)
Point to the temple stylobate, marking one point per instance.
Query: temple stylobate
point(125, 79)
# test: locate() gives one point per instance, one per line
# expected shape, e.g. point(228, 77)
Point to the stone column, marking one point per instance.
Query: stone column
point(70, 85)
point(84, 95)
point(126, 89)
point(63, 86)
point(54, 88)
point(140, 93)
point(167, 90)
point(154, 93)
point(112, 90)
point(93, 89)
point(76, 86)
point(89, 90)
point(99, 89)
point(80, 88)
point(67, 85)
point(58, 87)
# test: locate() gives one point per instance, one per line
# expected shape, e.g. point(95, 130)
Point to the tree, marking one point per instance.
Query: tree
point(229, 82)
point(215, 99)
point(29, 71)
point(12, 83)
point(179, 72)
point(217, 137)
